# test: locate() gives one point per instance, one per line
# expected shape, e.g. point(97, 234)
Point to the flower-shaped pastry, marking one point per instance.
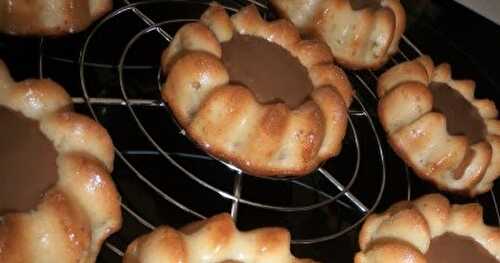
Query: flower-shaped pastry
point(50, 17)
point(213, 240)
point(439, 128)
point(57, 199)
point(360, 33)
point(253, 93)
point(428, 230)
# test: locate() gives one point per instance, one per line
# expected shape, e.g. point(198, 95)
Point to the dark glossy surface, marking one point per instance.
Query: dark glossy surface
point(458, 249)
point(28, 164)
point(435, 29)
point(462, 118)
point(284, 79)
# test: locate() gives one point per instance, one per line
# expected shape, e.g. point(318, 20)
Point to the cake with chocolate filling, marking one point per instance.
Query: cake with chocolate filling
point(428, 230)
point(50, 17)
point(252, 93)
point(360, 33)
point(215, 239)
point(437, 126)
point(57, 199)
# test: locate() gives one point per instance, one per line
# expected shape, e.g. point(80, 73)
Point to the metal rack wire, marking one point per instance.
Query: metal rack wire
point(342, 194)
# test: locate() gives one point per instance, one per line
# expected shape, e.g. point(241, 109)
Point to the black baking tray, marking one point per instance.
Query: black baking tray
point(112, 72)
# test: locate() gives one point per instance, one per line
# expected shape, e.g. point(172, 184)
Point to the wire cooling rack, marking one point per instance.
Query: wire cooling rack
point(118, 70)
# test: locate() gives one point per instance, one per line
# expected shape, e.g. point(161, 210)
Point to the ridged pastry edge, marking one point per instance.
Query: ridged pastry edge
point(419, 135)
point(374, 34)
point(62, 10)
point(83, 207)
point(213, 240)
point(195, 72)
point(403, 232)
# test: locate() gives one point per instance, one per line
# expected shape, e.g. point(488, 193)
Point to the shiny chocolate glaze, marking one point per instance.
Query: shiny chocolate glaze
point(462, 118)
point(267, 69)
point(457, 249)
point(27, 164)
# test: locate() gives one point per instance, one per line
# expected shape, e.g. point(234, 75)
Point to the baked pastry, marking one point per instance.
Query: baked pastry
point(57, 199)
point(212, 240)
point(428, 230)
point(252, 93)
point(437, 127)
point(50, 17)
point(360, 33)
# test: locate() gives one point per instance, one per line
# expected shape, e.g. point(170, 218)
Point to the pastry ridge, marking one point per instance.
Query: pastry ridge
point(363, 38)
point(215, 239)
point(83, 208)
point(420, 137)
point(223, 118)
point(439, 217)
point(50, 17)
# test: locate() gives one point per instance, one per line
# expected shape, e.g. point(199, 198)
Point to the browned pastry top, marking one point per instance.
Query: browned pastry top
point(19, 16)
point(267, 69)
point(362, 4)
point(27, 164)
point(462, 118)
point(457, 249)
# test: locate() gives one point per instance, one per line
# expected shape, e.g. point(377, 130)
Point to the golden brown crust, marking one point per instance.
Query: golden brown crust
point(215, 240)
point(332, 75)
point(364, 38)
point(403, 233)
point(227, 121)
point(390, 251)
point(83, 208)
point(50, 17)
point(420, 137)
point(72, 132)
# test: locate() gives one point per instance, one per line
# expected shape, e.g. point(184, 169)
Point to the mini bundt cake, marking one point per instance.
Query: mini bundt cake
point(428, 230)
point(253, 93)
point(50, 17)
point(439, 128)
point(360, 33)
point(57, 200)
point(212, 240)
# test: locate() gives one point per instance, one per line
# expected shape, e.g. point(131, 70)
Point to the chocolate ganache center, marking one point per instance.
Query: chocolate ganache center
point(362, 4)
point(267, 69)
point(27, 164)
point(462, 118)
point(457, 249)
